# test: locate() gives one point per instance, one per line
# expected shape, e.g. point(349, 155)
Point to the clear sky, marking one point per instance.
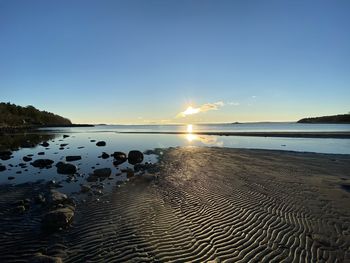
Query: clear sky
point(147, 61)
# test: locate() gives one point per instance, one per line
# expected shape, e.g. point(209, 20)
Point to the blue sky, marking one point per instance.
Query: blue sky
point(147, 61)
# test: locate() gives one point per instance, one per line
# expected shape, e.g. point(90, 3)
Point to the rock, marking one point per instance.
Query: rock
point(92, 140)
point(10, 177)
point(135, 157)
point(105, 155)
point(27, 159)
point(119, 157)
point(63, 144)
point(56, 197)
point(85, 188)
point(58, 219)
point(5, 155)
point(42, 163)
point(73, 158)
point(65, 136)
point(129, 173)
point(101, 143)
point(41, 153)
point(66, 168)
point(103, 172)
point(40, 258)
point(2, 168)
point(45, 144)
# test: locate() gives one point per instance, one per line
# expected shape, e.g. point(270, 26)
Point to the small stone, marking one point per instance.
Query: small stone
point(101, 143)
point(73, 158)
point(105, 155)
point(2, 168)
point(119, 157)
point(103, 172)
point(57, 219)
point(65, 136)
point(10, 177)
point(41, 153)
point(45, 144)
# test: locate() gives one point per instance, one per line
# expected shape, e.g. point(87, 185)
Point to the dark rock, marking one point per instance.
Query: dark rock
point(5, 155)
point(101, 143)
point(73, 158)
point(105, 155)
point(63, 144)
point(10, 177)
point(58, 219)
point(92, 140)
point(103, 172)
point(66, 168)
point(65, 136)
point(18, 172)
point(45, 144)
point(40, 199)
point(119, 157)
point(2, 168)
point(129, 173)
point(42, 163)
point(135, 157)
point(40, 258)
point(41, 153)
point(27, 159)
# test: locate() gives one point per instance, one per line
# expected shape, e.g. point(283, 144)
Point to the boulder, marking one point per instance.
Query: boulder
point(119, 158)
point(73, 158)
point(66, 168)
point(40, 258)
point(101, 143)
point(58, 219)
point(135, 157)
point(5, 155)
point(42, 163)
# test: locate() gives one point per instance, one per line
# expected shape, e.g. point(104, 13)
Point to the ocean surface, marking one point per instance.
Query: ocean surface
point(82, 141)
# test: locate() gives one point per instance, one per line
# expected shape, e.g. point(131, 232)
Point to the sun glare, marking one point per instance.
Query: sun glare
point(190, 110)
point(189, 128)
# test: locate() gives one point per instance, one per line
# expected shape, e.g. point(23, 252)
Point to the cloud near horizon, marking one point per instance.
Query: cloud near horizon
point(204, 108)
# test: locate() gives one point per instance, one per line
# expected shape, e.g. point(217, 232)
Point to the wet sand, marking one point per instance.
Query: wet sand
point(336, 135)
point(228, 205)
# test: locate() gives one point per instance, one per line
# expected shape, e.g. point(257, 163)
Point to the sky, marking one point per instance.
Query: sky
point(174, 61)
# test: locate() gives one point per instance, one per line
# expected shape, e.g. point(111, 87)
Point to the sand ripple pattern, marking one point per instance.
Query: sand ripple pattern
point(222, 206)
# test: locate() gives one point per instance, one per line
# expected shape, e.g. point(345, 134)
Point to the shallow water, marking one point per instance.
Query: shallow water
point(79, 144)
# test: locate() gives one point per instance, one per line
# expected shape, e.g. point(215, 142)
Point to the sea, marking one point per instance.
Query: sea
point(82, 141)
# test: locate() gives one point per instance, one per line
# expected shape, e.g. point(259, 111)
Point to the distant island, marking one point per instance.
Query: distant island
point(341, 118)
point(15, 116)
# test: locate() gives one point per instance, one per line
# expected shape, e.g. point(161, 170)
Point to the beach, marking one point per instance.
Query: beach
point(201, 205)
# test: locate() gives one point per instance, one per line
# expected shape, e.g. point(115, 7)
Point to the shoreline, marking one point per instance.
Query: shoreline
point(335, 135)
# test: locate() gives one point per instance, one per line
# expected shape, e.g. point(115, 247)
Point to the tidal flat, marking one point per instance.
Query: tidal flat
point(97, 202)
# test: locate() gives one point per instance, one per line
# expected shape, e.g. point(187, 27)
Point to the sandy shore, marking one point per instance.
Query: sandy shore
point(339, 135)
point(228, 205)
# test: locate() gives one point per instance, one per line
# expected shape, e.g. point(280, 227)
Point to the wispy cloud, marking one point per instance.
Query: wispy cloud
point(234, 103)
point(204, 108)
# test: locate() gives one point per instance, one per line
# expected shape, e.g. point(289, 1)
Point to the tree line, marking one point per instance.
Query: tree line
point(14, 115)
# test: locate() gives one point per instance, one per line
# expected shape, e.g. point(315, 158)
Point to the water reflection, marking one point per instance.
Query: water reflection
point(204, 139)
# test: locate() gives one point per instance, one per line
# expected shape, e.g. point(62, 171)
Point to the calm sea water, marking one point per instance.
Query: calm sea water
point(79, 143)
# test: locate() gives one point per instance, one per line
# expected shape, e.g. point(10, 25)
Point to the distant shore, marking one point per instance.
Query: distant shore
point(15, 129)
point(337, 135)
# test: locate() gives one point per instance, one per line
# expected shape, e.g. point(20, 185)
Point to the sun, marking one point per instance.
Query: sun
point(189, 128)
point(190, 110)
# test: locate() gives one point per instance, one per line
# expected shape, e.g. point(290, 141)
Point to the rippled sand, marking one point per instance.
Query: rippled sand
point(208, 204)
